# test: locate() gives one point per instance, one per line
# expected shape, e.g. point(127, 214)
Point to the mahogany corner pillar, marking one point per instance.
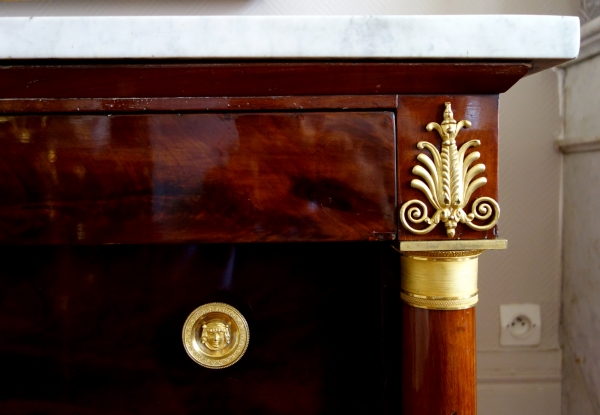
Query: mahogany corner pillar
point(439, 291)
point(438, 270)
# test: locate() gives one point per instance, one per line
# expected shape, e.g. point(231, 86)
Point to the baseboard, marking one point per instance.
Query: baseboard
point(519, 366)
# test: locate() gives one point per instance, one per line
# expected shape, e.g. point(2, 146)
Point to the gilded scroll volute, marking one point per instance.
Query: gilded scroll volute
point(448, 181)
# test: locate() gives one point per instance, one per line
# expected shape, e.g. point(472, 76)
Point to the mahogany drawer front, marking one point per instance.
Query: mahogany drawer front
point(97, 329)
point(240, 177)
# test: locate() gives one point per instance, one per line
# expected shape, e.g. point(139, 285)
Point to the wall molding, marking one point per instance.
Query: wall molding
point(578, 145)
point(590, 42)
point(520, 366)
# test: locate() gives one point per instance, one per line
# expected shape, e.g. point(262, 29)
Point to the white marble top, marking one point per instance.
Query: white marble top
point(543, 40)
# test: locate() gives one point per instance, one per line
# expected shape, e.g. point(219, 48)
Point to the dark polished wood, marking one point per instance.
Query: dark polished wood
point(414, 113)
point(326, 176)
point(97, 330)
point(438, 362)
point(120, 105)
point(171, 157)
point(40, 80)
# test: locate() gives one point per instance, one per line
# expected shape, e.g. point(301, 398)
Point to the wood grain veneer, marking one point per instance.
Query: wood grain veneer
point(197, 177)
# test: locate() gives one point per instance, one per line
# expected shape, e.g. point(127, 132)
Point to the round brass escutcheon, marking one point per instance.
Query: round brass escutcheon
point(215, 335)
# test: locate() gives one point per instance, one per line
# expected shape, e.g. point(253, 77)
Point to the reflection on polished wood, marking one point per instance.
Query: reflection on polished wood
point(197, 177)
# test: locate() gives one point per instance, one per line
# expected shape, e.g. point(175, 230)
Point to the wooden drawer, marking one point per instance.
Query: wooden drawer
point(97, 329)
point(230, 177)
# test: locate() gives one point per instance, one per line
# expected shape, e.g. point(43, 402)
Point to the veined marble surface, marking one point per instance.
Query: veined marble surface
point(543, 40)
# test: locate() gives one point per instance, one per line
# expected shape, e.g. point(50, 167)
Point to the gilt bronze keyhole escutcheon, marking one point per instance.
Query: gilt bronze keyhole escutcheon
point(215, 335)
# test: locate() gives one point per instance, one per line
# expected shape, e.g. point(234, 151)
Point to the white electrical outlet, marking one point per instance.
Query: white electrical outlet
point(520, 324)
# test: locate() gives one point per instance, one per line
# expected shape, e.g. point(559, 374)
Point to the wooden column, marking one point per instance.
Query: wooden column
point(448, 185)
point(439, 290)
point(438, 362)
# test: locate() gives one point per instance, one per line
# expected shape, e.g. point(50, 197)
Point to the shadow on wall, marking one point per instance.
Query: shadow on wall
point(589, 10)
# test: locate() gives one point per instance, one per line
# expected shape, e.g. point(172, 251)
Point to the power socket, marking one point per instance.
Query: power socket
point(520, 325)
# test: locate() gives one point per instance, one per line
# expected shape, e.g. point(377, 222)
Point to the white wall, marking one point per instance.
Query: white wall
point(524, 380)
point(519, 380)
point(581, 268)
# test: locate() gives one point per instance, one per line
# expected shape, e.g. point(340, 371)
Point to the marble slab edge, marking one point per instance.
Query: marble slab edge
point(543, 41)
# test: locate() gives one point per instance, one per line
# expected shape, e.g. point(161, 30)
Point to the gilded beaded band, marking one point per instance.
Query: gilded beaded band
point(432, 303)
